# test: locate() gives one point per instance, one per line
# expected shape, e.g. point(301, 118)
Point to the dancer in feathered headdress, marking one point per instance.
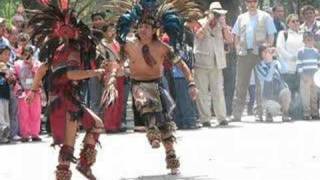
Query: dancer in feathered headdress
point(146, 54)
point(66, 52)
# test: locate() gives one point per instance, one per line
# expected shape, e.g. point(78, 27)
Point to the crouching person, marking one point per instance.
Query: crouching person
point(275, 92)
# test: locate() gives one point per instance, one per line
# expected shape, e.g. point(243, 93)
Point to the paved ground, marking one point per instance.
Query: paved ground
point(243, 151)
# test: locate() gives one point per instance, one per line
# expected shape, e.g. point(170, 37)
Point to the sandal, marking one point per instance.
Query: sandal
point(87, 172)
point(175, 171)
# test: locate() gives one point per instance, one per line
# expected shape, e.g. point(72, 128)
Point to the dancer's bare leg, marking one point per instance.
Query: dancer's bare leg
point(88, 153)
point(66, 151)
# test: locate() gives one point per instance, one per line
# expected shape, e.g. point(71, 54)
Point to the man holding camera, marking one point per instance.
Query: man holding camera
point(210, 59)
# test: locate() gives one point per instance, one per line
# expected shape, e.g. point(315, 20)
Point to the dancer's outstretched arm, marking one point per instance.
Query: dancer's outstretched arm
point(84, 74)
point(41, 72)
point(176, 59)
point(193, 91)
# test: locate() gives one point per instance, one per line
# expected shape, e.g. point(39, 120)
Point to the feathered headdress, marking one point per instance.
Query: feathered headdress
point(164, 14)
point(53, 23)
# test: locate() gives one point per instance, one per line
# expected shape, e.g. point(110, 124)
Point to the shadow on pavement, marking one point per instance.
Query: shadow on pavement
point(18, 142)
point(263, 122)
point(170, 177)
point(230, 126)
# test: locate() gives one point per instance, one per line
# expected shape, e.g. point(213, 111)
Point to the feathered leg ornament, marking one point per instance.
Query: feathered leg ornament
point(110, 92)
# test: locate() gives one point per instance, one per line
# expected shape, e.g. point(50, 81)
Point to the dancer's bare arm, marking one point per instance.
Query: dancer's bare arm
point(193, 91)
point(186, 71)
point(73, 60)
point(84, 74)
point(41, 72)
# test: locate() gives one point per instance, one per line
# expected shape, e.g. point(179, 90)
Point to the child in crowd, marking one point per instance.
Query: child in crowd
point(307, 65)
point(29, 114)
point(5, 79)
point(22, 42)
point(276, 95)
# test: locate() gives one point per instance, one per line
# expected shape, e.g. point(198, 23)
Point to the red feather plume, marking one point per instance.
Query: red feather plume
point(45, 2)
point(64, 4)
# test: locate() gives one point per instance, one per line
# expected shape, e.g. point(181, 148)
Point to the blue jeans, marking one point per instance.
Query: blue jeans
point(252, 97)
point(185, 114)
point(127, 87)
point(13, 113)
point(229, 80)
point(95, 93)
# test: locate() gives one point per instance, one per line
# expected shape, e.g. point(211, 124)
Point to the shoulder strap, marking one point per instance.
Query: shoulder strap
point(285, 33)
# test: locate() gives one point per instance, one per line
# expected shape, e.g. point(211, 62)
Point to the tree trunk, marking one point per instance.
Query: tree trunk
point(233, 7)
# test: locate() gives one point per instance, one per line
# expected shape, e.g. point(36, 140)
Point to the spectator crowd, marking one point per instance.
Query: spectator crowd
point(263, 63)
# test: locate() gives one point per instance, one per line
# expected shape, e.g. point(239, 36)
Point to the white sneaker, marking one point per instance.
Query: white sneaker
point(15, 138)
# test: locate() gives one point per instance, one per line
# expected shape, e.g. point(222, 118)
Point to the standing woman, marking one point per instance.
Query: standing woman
point(110, 47)
point(288, 43)
point(185, 114)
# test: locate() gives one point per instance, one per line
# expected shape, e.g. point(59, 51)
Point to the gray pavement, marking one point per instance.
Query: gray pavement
point(242, 151)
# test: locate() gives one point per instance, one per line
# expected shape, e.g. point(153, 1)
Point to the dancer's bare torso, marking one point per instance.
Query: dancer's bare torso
point(139, 69)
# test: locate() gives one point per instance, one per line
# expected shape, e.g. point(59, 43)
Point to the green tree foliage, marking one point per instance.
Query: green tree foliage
point(8, 8)
point(294, 6)
point(85, 7)
point(315, 3)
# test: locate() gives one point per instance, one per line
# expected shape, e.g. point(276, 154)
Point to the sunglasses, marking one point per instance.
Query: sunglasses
point(294, 21)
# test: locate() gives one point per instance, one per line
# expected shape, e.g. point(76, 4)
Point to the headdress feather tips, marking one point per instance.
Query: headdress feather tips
point(54, 23)
point(163, 14)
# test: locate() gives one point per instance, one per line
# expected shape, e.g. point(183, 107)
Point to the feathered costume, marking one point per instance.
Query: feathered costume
point(151, 99)
point(54, 25)
point(67, 46)
point(166, 15)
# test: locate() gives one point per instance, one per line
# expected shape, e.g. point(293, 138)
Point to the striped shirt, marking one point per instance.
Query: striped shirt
point(268, 71)
point(270, 79)
point(308, 60)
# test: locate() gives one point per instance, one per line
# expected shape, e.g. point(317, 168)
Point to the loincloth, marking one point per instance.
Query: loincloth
point(151, 97)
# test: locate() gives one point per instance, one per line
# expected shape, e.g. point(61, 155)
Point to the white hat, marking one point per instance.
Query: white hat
point(216, 7)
